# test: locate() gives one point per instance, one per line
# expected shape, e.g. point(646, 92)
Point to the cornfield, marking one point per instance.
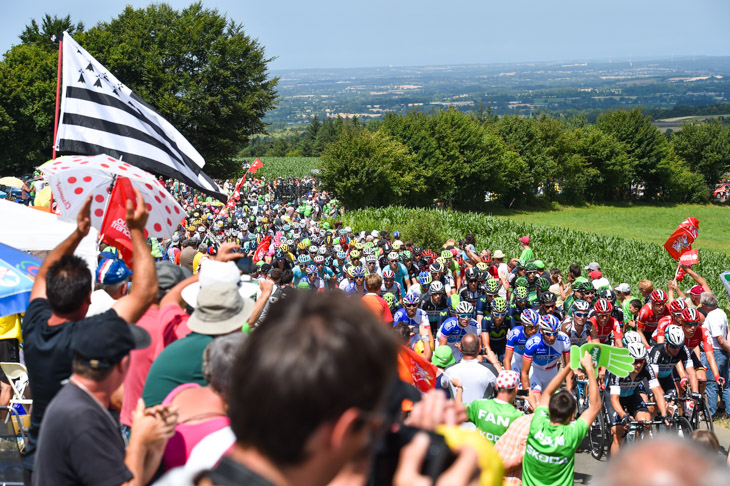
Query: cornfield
point(621, 259)
point(283, 166)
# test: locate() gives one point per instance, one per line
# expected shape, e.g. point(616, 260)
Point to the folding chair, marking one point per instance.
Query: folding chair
point(17, 375)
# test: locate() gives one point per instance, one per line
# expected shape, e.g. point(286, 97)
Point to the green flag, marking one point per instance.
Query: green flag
point(616, 360)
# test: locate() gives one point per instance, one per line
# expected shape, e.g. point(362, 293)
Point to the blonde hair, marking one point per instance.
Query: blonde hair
point(646, 285)
point(373, 282)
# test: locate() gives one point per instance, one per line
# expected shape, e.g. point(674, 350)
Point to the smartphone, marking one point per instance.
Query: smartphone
point(439, 456)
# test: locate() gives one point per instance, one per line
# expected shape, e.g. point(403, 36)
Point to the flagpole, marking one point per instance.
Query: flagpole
point(58, 94)
point(106, 212)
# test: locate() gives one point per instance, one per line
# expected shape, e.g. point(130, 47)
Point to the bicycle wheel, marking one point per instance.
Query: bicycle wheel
point(683, 427)
point(703, 417)
point(597, 436)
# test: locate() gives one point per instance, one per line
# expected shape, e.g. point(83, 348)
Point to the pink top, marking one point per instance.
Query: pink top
point(188, 435)
point(140, 361)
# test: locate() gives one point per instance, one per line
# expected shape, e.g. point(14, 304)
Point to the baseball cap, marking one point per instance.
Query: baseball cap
point(696, 290)
point(624, 287)
point(220, 310)
point(168, 275)
point(111, 271)
point(540, 264)
point(525, 240)
point(443, 357)
point(595, 274)
point(105, 340)
point(508, 379)
point(593, 266)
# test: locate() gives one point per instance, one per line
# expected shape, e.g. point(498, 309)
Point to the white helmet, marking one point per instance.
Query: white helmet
point(436, 287)
point(637, 350)
point(632, 337)
point(674, 335)
point(464, 307)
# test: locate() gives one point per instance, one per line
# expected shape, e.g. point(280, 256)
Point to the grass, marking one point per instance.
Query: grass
point(283, 166)
point(651, 224)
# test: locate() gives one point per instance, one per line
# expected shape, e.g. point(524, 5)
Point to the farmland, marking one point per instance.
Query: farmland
point(651, 224)
point(283, 166)
point(622, 259)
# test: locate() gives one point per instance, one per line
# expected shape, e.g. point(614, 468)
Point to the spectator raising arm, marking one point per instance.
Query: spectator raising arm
point(66, 247)
point(144, 277)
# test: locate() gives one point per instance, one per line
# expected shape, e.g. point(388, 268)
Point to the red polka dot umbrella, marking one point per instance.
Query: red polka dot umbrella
point(73, 178)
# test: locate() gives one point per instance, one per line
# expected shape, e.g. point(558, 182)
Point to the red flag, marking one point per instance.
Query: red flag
point(681, 240)
point(689, 258)
point(236, 193)
point(414, 369)
point(114, 229)
point(255, 166)
point(262, 249)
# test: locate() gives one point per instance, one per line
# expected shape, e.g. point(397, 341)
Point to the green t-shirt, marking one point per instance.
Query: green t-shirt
point(527, 255)
point(180, 362)
point(550, 451)
point(492, 417)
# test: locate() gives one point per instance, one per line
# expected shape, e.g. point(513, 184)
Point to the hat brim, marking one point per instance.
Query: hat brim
point(141, 337)
point(227, 326)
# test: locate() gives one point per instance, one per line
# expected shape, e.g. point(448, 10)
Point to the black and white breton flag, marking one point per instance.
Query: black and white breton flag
point(100, 115)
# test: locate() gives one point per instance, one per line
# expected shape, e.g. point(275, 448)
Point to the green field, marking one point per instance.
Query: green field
point(652, 224)
point(622, 259)
point(283, 166)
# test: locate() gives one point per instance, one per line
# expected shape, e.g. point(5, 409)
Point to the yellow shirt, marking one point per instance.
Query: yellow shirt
point(10, 327)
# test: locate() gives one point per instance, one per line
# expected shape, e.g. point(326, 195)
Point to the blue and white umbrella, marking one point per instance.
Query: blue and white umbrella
point(17, 274)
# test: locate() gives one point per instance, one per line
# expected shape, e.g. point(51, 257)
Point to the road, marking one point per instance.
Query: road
point(586, 467)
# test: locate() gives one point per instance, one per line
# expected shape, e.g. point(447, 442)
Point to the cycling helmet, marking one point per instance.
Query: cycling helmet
point(632, 337)
point(521, 293)
point(499, 305)
point(410, 299)
point(521, 282)
point(464, 307)
point(278, 254)
point(436, 287)
point(358, 272)
point(311, 269)
point(603, 306)
point(341, 255)
point(492, 286)
point(351, 271)
point(301, 246)
point(368, 251)
point(396, 235)
point(442, 261)
point(436, 267)
point(427, 254)
point(548, 298)
point(446, 254)
point(543, 283)
point(322, 250)
point(482, 266)
point(608, 294)
point(674, 335)
point(417, 250)
point(304, 259)
point(388, 274)
point(355, 254)
point(471, 274)
point(549, 323)
point(406, 255)
point(424, 278)
point(690, 315)
point(397, 245)
point(581, 305)
point(530, 318)
point(637, 350)
point(371, 259)
point(389, 299)
point(677, 306)
point(531, 267)
point(658, 297)
point(319, 259)
point(393, 256)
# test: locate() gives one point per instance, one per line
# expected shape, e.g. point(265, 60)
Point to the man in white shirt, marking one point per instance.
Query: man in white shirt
point(475, 378)
point(717, 325)
point(502, 270)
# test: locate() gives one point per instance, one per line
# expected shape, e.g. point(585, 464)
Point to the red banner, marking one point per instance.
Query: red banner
point(689, 258)
point(414, 369)
point(255, 166)
point(114, 226)
point(236, 193)
point(262, 249)
point(681, 240)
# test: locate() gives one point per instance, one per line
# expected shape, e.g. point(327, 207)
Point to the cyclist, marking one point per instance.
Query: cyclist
point(617, 312)
point(433, 303)
point(324, 272)
point(543, 351)
point(470, 292)
point(495, 327)
point(455, 328)
point(371, 263)
point(493, 417)
point(399, 270)
point(436, 270)
point(415, 318)
point(569, 300)
point(413, 270)
point(391, 286)
point(670, 355)
point(519, 302)
point(312, 280)
point(424, 282)
point(517, 337)
point(548, 305)
point(625, 399)
point(357, 286)
point(577, 326)
point(604, 326)
point(452, 267)
point(675, 317)
point(300, 270)
point(651, 312)
point(484, 304)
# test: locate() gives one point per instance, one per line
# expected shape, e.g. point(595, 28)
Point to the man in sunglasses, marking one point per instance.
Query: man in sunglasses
point(672, 354)
point(433, 303)
point(471, 291)
point(495, 327)
point(576, 326)
point(604, 326)
point(416, 319)
point(548, 305)
point(625, 400)
point(455, 328)
point(543, 351)
point(520, 302)
point(532, 276)
point(651, 313)
point(572, 298)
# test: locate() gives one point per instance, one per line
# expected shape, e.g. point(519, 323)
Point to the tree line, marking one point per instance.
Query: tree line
point(467, 161)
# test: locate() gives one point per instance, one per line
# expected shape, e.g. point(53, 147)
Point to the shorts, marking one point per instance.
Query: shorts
point(517, 363)
point(667, 383)
point(696, 362)
point(9, 353)
point(631, 404)
point(541, 377)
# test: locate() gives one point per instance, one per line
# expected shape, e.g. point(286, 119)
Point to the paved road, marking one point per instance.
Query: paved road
point(586, 467)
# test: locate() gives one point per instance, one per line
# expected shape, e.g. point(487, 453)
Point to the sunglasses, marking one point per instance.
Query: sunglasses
point(531, 272)
point(549, 306)
point(410, 305)
point(550, 334)
point(638, 361)
point(465, 316)
point(359, 277)
point(521, 301)
point(580, 314)
point(691, 324)
point(499, 314)
point(603, 314)
point(675, 346)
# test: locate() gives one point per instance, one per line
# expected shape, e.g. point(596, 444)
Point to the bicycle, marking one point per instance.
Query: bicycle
point(599, 434)
point(677, 421)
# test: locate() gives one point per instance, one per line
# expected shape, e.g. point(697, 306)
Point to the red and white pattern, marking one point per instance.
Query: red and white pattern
point(508, 379)
point(73, 178)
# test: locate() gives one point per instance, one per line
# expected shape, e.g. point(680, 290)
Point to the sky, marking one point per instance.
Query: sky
point(372, 33)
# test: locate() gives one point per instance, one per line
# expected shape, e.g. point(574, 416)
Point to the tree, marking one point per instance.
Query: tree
point(197, 68)
point(42, 35)
point(706, 148)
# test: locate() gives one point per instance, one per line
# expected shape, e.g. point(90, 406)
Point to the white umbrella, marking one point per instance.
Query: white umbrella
point(73, 178)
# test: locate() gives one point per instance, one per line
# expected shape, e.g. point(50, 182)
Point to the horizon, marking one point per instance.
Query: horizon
point(380, 33)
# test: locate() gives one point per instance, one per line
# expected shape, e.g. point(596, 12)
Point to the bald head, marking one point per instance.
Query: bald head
point(470, 345)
